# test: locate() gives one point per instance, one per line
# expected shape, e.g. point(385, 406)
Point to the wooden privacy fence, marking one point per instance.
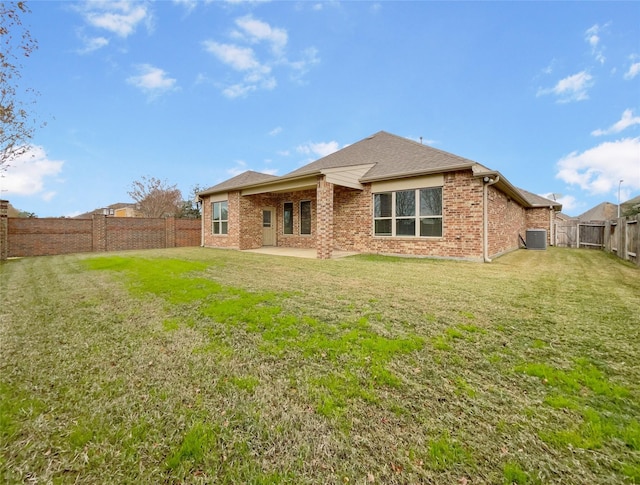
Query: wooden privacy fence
point(21, 237)
point(618, 236)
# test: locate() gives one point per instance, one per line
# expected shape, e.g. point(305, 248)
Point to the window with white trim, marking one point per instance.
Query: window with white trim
point(408, 213)
point(220, 217)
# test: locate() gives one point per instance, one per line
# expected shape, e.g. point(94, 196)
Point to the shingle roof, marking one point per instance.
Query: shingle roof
point(245, 178)
point(602, 212)
point(392, 155)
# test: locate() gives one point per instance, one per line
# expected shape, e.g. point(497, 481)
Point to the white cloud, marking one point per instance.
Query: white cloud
point(592, 37)
point(27, 174)
point(625, 122)
point(276, 131)
point(189, 5)
point(118, 17)
point(598, 170)
point(569, 202)
point(243, 59)
point(320, 149)
point(256, 31)
point(257, 49)
point(633, 71)
point(93, 44)
point(571, 88)
point(152, 80)
point(237, 57)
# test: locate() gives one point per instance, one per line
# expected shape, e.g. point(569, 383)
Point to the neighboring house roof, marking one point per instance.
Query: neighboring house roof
point(117, 205)
point(630, 204)
point(602, 212)
point(383, 156)
point(565, 217)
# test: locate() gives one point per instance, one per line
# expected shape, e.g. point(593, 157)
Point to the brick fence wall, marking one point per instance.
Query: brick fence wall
point(4, 221)
point(20, 237)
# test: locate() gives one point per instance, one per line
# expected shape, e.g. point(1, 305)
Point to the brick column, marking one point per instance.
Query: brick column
point(99, 233)
point(170, 232)
point(324, 214)
point(4, 229)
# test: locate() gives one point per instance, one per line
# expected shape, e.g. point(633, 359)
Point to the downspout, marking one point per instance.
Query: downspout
point(201, 203)
point(485, 216)
point(552, 232)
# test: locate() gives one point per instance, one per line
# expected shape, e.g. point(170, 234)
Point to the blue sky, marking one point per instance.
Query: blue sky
point(548, 93)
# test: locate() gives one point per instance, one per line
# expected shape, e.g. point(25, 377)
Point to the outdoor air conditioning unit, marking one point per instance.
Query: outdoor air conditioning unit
point(536, 239)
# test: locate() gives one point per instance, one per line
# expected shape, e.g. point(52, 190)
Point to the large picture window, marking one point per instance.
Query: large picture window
point(305, 217)
point(287, 219)
point(220, 217)
point(416, 212)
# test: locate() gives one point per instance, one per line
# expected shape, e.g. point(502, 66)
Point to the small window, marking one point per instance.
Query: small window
point(266, 218)
point(305, 217)
point(287, 222)
point(382, 214)
point(220, 217)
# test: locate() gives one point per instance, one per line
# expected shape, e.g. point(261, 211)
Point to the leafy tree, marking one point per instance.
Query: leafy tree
point(190, 209)
point(16, 122)
point(156, 198)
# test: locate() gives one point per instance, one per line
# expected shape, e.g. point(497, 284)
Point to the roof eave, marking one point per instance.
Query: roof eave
point(417, 173)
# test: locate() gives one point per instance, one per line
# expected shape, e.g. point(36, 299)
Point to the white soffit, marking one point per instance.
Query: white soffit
point(435, 180)
point(347, 176)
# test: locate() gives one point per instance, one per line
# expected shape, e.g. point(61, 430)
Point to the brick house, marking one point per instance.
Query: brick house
point(384, 194)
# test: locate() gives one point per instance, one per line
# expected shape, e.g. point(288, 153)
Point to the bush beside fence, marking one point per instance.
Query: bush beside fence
point(20, 237)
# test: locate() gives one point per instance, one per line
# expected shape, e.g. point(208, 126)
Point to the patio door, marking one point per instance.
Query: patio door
point(268, 226)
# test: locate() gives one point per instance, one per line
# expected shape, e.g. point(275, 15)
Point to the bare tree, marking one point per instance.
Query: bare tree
point(16, 122)
point(155, 198)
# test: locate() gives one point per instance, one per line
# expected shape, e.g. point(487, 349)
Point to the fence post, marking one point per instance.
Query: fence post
point(170, 232)
point(622, 239)
point(99, 233)
point(4, 229)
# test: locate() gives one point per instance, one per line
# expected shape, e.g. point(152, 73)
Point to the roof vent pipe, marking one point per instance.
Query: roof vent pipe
point(485, 216)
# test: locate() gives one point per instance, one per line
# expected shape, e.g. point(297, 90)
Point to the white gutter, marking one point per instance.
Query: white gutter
point(552, 233)
point(485, 216)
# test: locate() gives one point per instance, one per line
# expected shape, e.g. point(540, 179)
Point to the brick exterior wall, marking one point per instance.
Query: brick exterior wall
point(48, 236)
point(4, 223)
point(342, 219)
point(245, 221)
point(538, 218)
point(230, 240)
point(507, 221)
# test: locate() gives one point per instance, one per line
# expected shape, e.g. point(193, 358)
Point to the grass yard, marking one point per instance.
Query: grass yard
point(211, 366)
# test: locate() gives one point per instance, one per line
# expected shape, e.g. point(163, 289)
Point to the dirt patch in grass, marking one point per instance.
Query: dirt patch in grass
point(204, 366)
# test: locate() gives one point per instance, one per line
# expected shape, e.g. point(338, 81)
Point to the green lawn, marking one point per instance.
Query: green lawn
point(211, 366)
